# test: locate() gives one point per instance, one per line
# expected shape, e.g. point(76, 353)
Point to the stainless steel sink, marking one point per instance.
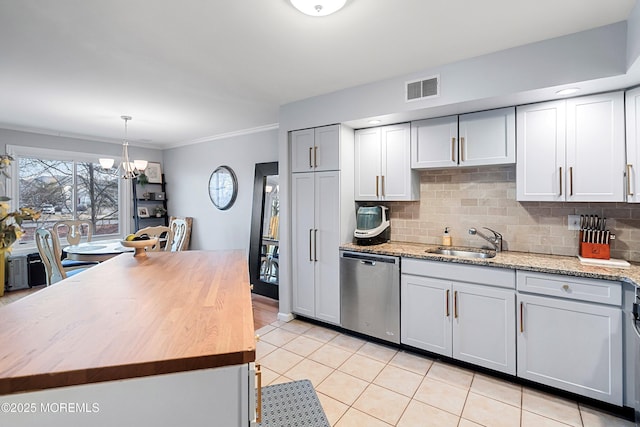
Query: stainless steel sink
point(465, 253)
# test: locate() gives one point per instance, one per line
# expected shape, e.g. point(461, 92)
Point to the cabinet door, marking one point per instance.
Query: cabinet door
point(302, 225)
point(488, 137)
point(368, 161)
point(595, 148)
point(326, 152)
point(397, 182)
point(541, 141)
point(570, 345)
point(632, 98)
point(302, 143)
point(484, 326)
point(425, 313)
point(434, 143)
point(326, 241)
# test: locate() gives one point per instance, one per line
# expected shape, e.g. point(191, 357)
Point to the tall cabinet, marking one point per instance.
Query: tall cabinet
point(572, 150)
point(322, 217)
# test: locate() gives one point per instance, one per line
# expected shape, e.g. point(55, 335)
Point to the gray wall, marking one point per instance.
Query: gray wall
point(187, 171)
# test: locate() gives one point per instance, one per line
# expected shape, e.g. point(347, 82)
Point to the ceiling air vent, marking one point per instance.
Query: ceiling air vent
point(424, 88)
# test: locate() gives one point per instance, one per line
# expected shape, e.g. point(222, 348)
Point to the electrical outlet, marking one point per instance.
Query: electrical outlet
point(573, 222)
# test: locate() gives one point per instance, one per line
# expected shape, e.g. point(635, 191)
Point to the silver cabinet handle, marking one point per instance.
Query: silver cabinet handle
point(462, 148)
point(561, 180)
point(310, 233)
point(453, 150)
point(629, 169)
point(310, 153)
point(315, 156)
point(447, 303)
point(521, 317)
point(377, 190)
point(571, 180)
point(455, 304)
point(315, 245)
point(382, 185)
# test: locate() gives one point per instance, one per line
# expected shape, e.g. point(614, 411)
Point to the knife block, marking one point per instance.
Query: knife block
point(595, 250)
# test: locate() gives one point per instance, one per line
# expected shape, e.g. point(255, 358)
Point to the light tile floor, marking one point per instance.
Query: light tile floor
point(362, 383)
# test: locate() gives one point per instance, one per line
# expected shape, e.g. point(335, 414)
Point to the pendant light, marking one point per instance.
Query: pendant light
point(318, 7)
point(128, 168)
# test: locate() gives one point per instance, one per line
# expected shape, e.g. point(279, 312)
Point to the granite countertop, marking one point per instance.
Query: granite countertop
point(555, 264)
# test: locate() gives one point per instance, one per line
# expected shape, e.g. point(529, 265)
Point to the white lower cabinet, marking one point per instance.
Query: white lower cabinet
point(570, 343)
point(471, 322)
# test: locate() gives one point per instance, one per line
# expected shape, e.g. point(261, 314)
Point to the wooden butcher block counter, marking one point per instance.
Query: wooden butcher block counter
point(130, 317)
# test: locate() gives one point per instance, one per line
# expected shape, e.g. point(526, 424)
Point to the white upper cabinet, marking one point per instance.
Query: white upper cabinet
point(474, 139)
point(572, 150)
point(434, 142)
point(382, 164)
point(315, 149)
point(633, 145)
point(487, 137)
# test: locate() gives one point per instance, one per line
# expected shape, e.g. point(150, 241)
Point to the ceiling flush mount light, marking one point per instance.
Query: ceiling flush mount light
point(374, 122)
point(568, 91)
point(318, 7)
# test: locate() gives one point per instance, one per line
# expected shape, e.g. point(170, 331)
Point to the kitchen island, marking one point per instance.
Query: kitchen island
point(166, 339)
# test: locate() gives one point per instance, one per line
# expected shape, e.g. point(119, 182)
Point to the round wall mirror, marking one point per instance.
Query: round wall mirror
point(223, 187)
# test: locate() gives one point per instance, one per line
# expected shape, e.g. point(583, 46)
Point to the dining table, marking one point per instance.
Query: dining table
point(97, 250)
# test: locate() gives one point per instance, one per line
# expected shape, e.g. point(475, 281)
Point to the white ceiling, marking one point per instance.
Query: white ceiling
point(190, 70)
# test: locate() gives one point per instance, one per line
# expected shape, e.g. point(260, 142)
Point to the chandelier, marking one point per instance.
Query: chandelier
point(127, 168)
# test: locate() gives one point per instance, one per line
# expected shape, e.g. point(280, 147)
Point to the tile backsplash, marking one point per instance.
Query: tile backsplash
point(486, 197)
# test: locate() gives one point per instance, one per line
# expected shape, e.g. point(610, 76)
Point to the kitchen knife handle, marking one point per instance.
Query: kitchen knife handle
point(377, 188)
point(571, 180)
point(315, 245)
point(629, 192)
point(455, 304)
point(521, 317)
point(560, 180)
point(310, 237)
point(447, 303)
point(310, 154)
point(315, 156)
point(453, 150)
point(462, 148)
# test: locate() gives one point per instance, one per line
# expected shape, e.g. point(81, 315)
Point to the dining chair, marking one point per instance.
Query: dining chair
point(158, 231)
point(181, 233)
point(72, 230)
point(49, 251)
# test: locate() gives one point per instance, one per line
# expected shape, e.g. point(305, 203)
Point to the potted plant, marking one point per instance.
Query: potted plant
point(159, 211)
point(10, 222)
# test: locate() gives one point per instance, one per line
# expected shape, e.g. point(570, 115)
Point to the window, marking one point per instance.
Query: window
point(65, 186)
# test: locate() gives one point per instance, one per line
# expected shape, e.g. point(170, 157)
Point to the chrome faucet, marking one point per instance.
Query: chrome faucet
point(495, 240)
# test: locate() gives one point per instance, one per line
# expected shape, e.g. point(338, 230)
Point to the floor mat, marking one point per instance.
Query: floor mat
point(293, 404)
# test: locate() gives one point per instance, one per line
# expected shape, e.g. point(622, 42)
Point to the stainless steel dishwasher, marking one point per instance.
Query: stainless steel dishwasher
point(370, 294)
